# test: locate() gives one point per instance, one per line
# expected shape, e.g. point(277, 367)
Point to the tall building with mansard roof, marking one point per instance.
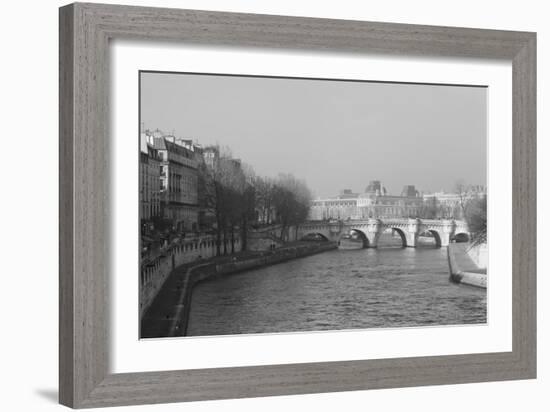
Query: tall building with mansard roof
point(373, 203)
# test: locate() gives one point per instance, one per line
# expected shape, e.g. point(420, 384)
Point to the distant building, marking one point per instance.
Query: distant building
point(375, 187)
point(373, 203)
point(409, 191)
point(338, 207)
point(347, 194)
point(409, 204)
point(211, 155)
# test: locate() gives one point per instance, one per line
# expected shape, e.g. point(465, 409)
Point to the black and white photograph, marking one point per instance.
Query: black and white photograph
point(284, 205)
point(266, 206)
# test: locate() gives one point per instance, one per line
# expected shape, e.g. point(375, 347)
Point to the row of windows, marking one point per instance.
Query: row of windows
point(353, 204)
point(149, 209)
point(357, 212)
point(337, 204)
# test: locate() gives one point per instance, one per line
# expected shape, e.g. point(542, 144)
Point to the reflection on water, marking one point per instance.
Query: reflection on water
point(343, 289)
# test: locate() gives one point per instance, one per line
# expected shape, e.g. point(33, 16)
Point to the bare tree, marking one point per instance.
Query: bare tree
point(248, 203)
point(477, 219)
point(292, 200)
point(233, 194)
point(461, 189)
point(213, 181)
point(228, 197)
point(264, 190)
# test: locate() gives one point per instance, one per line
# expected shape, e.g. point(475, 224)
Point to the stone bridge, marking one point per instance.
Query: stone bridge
point(443, 231)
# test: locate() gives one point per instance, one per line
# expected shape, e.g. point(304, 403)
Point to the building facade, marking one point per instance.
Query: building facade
point(178, 183)
point(149, 180)
point(373, 203)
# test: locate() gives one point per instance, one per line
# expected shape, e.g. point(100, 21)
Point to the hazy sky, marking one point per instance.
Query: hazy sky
point(333, 134)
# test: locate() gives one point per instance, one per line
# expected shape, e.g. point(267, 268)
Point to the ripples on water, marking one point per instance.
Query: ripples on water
point(341, 289)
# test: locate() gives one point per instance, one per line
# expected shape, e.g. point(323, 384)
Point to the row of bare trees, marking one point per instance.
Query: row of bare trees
point(470, 206)
point(465, 198)
point(432, 208)
point(291, 202)
point(234, 197)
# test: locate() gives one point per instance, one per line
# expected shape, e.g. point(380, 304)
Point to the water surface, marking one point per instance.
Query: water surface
point(342, 289)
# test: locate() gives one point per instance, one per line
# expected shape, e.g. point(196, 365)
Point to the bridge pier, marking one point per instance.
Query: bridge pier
point(413, 230)
point(412, 239)
point(447, 232)
point(374, 230)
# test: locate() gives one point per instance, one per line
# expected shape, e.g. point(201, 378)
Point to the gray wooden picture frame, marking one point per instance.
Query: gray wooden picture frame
point(85, 31)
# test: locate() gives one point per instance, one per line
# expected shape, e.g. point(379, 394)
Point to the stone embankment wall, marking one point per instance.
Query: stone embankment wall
point(211, 271)
point(258, 241)
point(274, 232)
point(479, 255)
point(154, 273)
point(463, 268)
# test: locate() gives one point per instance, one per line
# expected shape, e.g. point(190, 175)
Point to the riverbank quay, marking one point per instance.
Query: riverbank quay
point(168, 314)
point(462, 267)
point(156, 265)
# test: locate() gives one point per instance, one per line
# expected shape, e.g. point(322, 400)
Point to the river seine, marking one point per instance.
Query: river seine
point(342, 289)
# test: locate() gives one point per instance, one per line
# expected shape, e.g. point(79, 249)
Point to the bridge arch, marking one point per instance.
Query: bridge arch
point(401, 234)
point(461, 237)
point(436, 235)
point(361, 235)
point(314, 236)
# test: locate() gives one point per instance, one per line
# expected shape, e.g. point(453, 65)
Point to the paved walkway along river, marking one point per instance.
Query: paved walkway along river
point(341, 289)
